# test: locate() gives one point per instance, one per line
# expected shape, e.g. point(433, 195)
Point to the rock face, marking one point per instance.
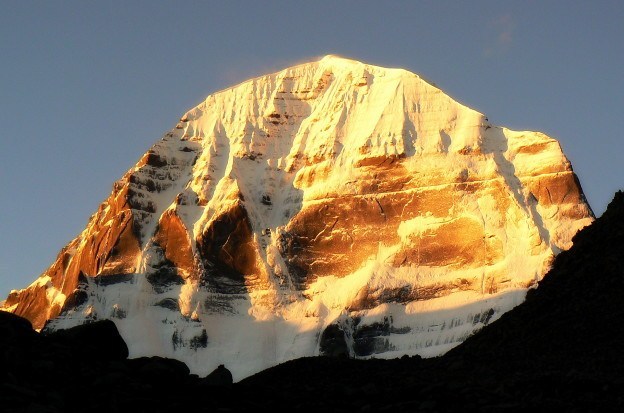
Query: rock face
point(560, 350)
point(566, 358)
point(331, 207)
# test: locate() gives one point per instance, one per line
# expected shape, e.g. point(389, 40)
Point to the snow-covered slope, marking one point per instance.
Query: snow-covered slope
point(333, 207)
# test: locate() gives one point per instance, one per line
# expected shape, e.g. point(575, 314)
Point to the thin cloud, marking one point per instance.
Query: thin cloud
point(502, 27)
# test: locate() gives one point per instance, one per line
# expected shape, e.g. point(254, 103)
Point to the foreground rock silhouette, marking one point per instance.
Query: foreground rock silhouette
point(86, 368)
point(560, 350)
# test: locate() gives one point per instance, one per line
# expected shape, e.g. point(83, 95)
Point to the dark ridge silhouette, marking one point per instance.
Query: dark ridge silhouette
point(560, 350)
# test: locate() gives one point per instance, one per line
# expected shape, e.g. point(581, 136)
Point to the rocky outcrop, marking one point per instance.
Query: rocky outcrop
point(320, 200)
point(93, 357)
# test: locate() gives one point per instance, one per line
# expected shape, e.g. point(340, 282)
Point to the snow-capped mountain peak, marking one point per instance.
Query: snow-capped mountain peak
point(333, 207)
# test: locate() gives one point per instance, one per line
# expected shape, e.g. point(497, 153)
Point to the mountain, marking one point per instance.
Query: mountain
point(331, 208)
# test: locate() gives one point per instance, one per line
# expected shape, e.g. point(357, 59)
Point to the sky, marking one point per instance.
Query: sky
point(87, 87)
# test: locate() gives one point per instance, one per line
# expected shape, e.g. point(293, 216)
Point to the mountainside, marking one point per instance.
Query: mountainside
point(559, 350)
point(330, 208)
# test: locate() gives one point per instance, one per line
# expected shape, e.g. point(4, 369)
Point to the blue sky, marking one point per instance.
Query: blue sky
point(87, 87)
